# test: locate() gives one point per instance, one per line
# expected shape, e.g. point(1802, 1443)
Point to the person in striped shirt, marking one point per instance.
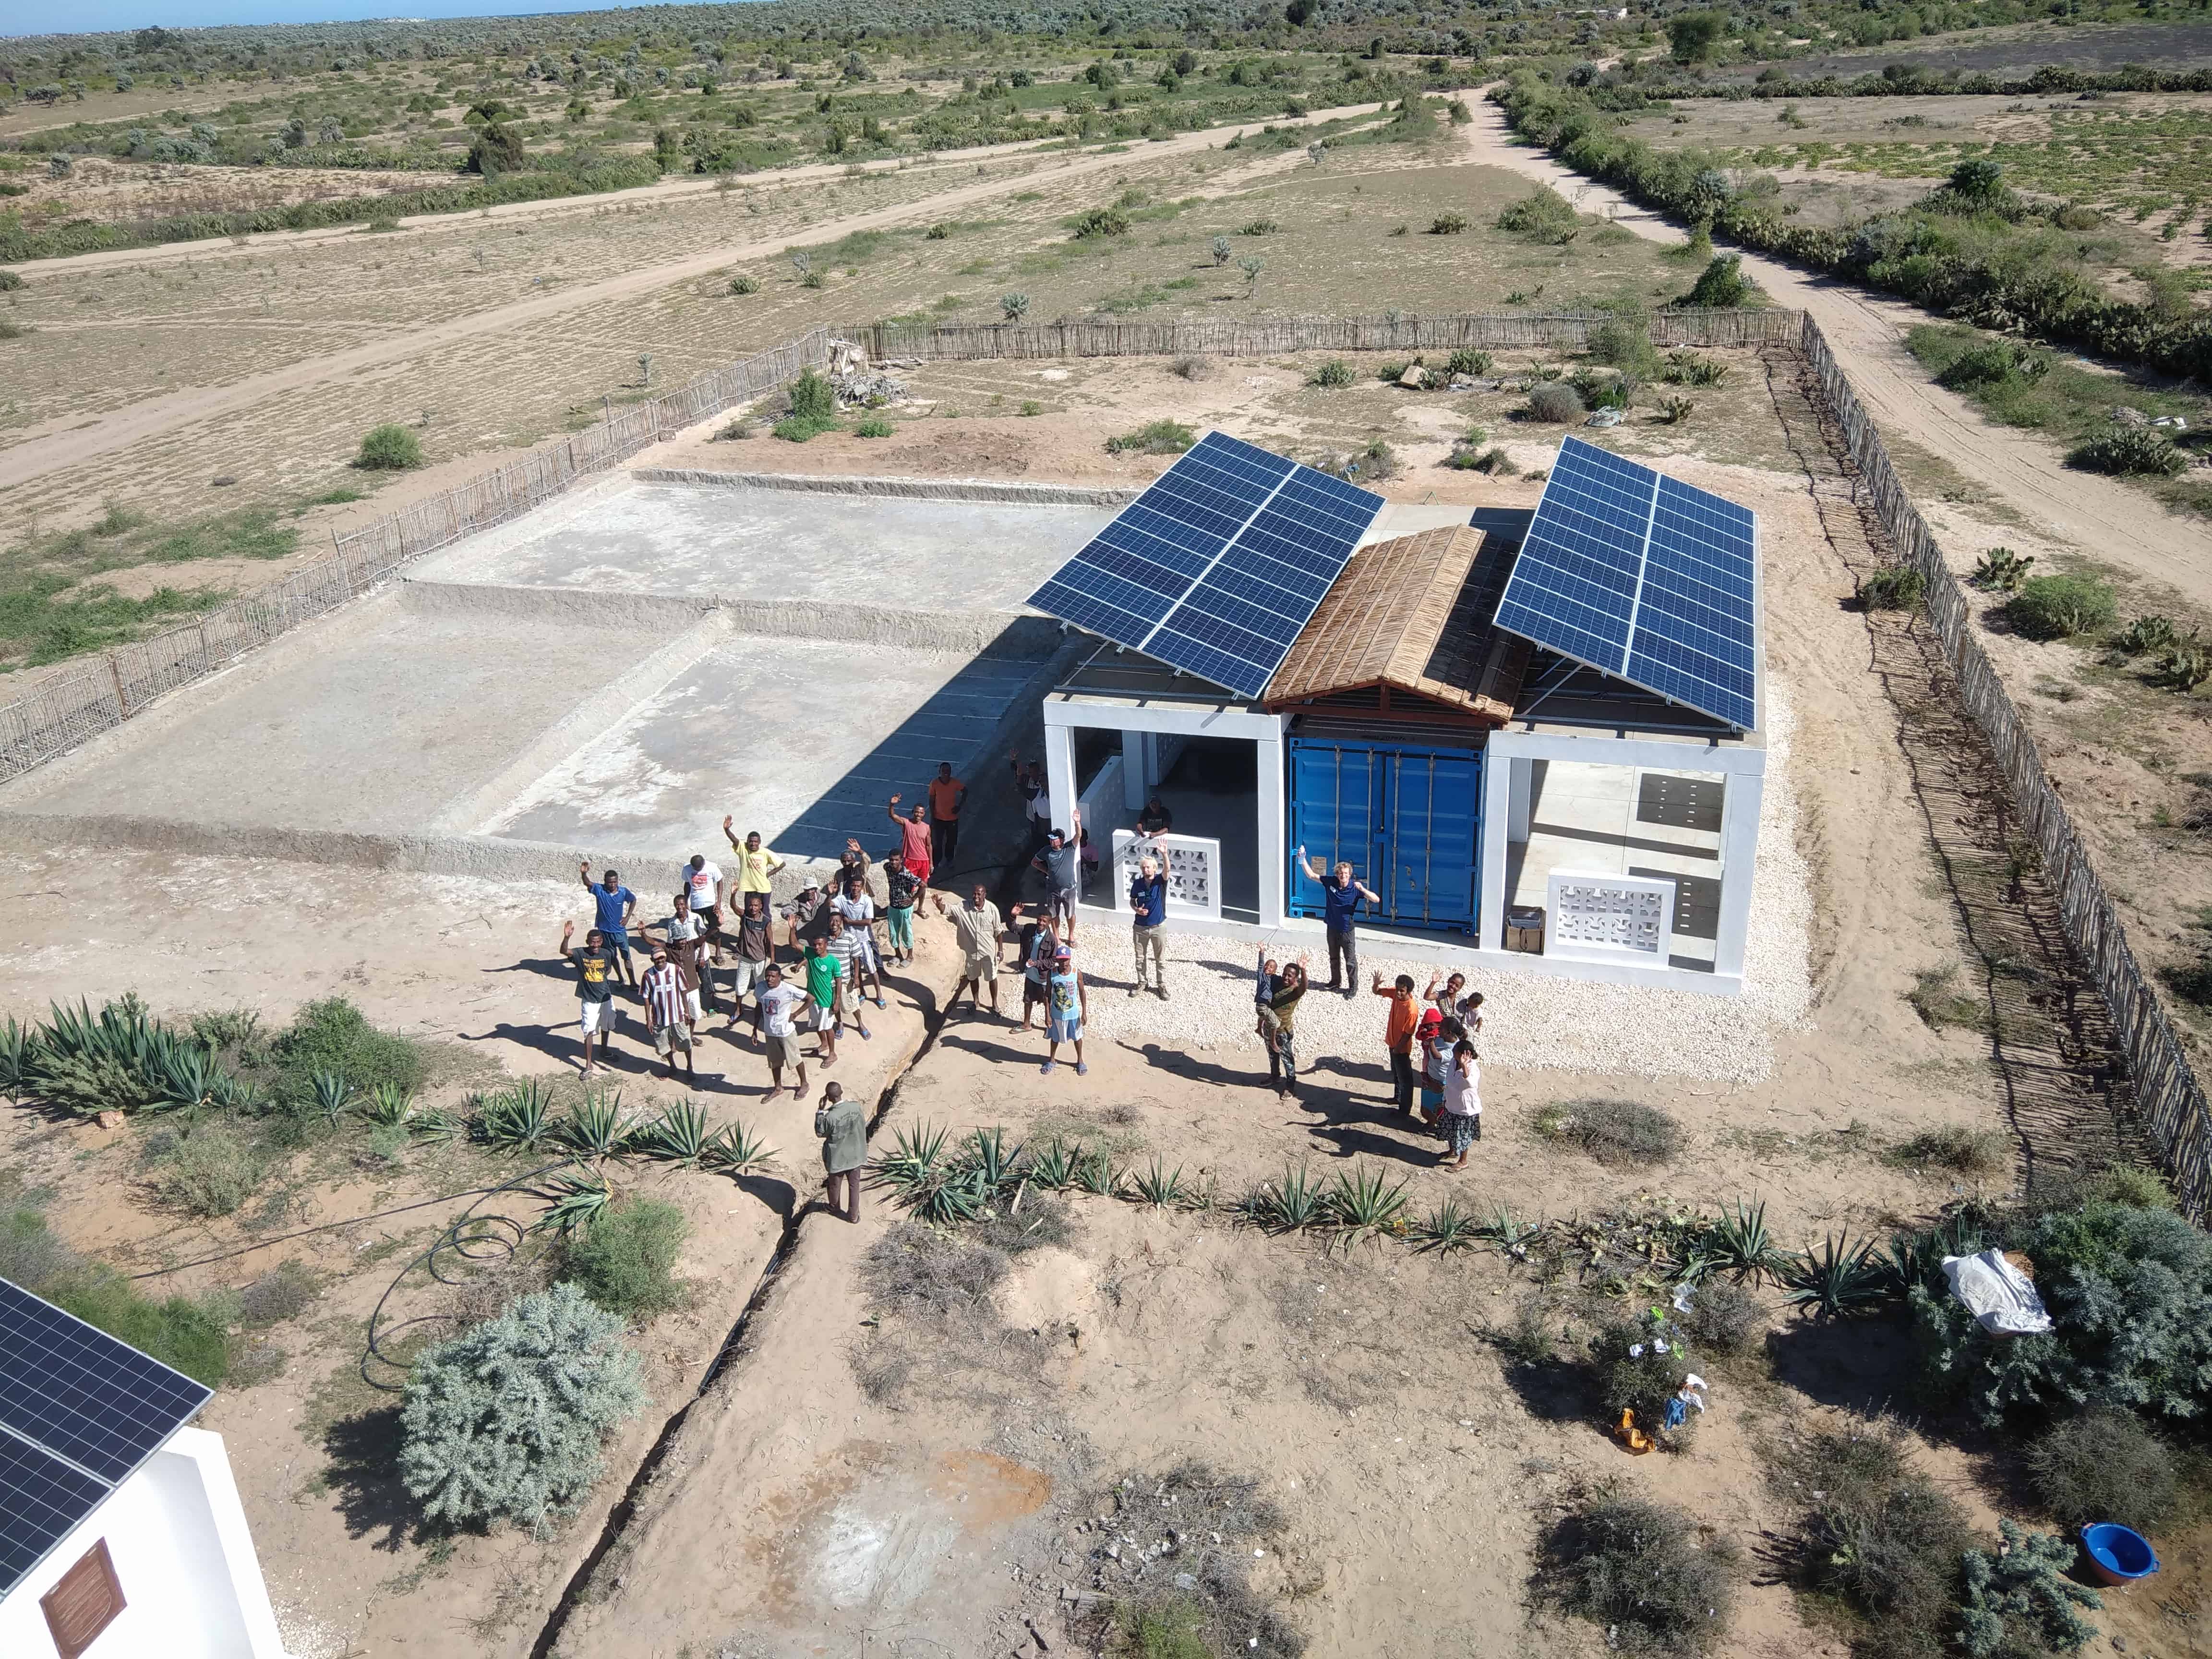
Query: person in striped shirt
point(856, 908)
point(849, 946)
point(668, 1011)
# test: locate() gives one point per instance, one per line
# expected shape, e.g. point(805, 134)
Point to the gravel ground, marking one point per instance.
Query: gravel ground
point(1531, 1021)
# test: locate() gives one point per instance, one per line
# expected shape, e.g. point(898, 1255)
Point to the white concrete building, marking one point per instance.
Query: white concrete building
point(121, 1534)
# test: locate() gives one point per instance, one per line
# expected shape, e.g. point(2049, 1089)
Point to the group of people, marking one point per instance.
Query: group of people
point(811, 967)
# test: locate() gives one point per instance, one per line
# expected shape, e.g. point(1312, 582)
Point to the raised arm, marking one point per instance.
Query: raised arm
point(1308, 865)
point(584, 869)
point(568, 932)
point(731, 835)
point(1436, 978)
point(1365, 891)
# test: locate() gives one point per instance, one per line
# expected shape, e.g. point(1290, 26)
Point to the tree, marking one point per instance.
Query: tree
point(508, 1419)
point(1299, 13)
point(498, 148)
point(1693, 35)
point(1015, 306)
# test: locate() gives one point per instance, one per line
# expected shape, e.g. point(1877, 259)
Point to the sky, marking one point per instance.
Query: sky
point(19, 17)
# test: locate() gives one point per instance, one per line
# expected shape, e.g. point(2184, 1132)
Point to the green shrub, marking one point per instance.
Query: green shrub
point(872, 426)
point(1448, 224)
point(1633, 1375)
point(9, 281)
point(2129, 451)
point(1636, 1572)
point(2058, 607)
point(1957, 1148)
point(1014, 307)
point(1723, 1317)
point(2129, 1294)
point(745, 285)
point(85, 1063)
point(508, 1420)
point(939, 232)
point(1893, 588)
point(334, 1037)
point(625, 1261)
point(389, 448)
point(2104, 1465)
point(800, 428)
point(177, 1331)
point(1334, 375)
point(1154, 438)
point(1721, 286)
point(2020, 1603)
point(1615, 1132)
point(211, 1171)
point(1101, 221)
point(1879, 1535)
point(1555, 403)
point(1625, 343)
point(1467, 361)
point(1689, 368)
point(1992, 363)
point(1543, 216)
point(285, 1291)
point(812, 397)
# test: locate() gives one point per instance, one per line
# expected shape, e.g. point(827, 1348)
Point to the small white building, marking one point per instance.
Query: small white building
point(121, 1534)
point(1530, 735)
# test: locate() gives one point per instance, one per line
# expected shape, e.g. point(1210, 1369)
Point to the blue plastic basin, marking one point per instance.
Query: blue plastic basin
point(2117, 1554)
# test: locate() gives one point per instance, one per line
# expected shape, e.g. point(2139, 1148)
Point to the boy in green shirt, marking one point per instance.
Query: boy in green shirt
point(825, 984)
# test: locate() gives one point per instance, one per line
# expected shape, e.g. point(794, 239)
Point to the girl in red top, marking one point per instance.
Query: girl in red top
point(914, 832)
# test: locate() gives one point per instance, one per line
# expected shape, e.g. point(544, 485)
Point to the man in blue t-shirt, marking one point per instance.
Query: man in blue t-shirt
point(1148, 904)
point(1340, 893)
point(615, 904)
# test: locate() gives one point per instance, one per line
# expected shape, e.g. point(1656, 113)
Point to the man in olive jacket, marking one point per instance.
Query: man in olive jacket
point(843, 1127)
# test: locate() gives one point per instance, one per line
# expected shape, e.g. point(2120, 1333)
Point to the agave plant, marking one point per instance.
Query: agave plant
point(18, 1045)
point(1446, 1228)
point(597, 1128)
point(573, 1200)
point(916, 1155)
point(191, 1078)
point(1096, 1174)
point(517, 1119)
point(1840, 1279)
point(389, 1106)
point(1366, 1205)
point(1290, 1204)
point(1053, 1168)
point(734, 1150)
point(331, 1093)
point(987, 1154)
point(1738, 1244)
point(1508, 1232)
point(1159, 1188)
point(679, 1135)
point(89, 1063)
point(436, 1126)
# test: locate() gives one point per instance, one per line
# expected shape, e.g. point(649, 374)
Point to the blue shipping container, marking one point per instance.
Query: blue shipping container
point(1409, 819)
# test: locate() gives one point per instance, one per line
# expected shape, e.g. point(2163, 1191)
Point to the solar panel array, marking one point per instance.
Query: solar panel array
point(1644, 577)
point(79, 1412)
point(1217, 566)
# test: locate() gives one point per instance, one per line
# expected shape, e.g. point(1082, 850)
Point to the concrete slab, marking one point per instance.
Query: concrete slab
point(783, 734)
point(788, 545)
point(372, 721)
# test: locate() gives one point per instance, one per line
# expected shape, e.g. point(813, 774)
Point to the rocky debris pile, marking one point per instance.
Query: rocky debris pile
point(858, 386)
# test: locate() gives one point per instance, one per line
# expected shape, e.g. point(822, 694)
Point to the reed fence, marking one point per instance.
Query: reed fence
point(2166, 1088)
point(1098, 339)
point(104, 691)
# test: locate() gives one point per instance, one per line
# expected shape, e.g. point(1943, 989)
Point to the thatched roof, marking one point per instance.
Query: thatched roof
point(1413, 614)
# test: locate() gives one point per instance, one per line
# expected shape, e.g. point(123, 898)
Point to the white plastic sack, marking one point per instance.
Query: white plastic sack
point(1999, 1295)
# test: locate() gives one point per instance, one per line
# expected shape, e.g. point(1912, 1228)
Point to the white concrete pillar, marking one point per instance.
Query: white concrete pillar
point(1273, 827)
point(1136, 768)
point(1521, 809)
point(1060, 772)
point(1499, 772)
point(1739, 856)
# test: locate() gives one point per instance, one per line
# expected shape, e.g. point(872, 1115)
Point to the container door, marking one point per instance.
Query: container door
point(1427, 873)
point(1335, 801)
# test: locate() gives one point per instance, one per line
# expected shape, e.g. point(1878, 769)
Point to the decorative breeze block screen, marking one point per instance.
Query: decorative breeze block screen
point(1597, 914)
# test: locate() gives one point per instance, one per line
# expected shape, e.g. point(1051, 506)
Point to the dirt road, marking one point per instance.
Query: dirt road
point(2098, 516)
point(52, 445)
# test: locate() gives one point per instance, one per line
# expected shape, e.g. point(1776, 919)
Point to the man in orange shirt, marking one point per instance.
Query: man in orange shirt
point(945, 792)
point(1404, 1019)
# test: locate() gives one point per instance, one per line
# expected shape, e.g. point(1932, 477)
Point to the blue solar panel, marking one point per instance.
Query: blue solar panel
point(1644, 577)
point(79, 1412)
point(1217, 567)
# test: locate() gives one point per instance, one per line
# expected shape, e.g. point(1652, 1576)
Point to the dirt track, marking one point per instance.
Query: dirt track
point(2095, 514)
point(62, 442)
